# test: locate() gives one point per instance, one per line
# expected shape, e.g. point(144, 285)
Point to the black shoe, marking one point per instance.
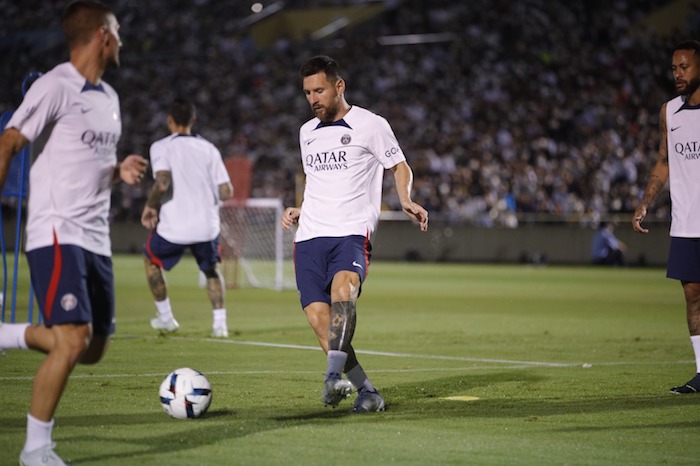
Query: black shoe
point(692, 386)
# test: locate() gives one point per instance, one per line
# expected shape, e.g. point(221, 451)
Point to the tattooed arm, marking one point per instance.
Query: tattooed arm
point(657, 180)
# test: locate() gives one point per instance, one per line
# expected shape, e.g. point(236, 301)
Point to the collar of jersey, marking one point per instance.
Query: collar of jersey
point(92, 87)
point(340, 122)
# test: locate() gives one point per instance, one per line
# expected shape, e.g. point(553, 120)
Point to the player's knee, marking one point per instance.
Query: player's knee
point(317, 317)
point(346, 287)
point(692, 296)
point(148, 262)
point(95, 350)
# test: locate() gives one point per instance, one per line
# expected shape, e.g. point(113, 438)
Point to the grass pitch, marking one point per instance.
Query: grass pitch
point(478, 364)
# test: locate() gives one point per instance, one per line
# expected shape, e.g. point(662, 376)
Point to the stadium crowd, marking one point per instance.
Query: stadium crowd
point(527, 110)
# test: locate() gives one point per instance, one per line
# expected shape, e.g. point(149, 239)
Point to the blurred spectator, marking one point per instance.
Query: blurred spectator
point(511, 122)
point(606, 249)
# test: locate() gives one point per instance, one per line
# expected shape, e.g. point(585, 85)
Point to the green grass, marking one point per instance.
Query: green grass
point(570, 365)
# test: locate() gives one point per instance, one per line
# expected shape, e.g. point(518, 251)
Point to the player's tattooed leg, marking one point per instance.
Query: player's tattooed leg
point(342, 325)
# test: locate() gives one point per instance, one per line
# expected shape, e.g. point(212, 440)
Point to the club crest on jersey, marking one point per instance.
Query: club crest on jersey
point(69, 302)
point(345, 140)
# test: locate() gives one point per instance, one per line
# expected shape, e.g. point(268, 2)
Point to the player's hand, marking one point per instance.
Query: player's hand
point(133, 169)
point(637, 219)
point(149, 218)
point(417, 213)
point(289, 217)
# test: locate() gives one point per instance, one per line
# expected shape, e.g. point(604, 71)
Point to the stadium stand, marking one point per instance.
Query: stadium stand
point(518, 111)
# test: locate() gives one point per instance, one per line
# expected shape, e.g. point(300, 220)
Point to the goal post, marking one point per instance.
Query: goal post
point(255, 251)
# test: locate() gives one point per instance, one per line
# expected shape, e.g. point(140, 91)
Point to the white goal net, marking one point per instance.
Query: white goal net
point(255, 251)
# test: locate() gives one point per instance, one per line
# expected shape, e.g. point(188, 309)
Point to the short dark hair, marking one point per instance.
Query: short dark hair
point(183, 111)
point(321, 63)
point(693, 45)
point(81, 19)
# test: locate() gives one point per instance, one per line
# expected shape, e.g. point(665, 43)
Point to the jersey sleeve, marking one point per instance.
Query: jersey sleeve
point(384, 145)
point(159, 161)
point(219, 172)
point(41, 106)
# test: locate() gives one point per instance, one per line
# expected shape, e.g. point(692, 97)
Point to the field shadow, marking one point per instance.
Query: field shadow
point(216, 426)
point(418, 400)
point(411, 402)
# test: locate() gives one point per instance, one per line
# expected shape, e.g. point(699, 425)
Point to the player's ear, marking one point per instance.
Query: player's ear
point(104, 35)
point(340, 86)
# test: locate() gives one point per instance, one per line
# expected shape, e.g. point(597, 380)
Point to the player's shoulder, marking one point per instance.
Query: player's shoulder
point(674, 104)
point(64, 78)
point(202, 140)
point(161, 144)
point(309, 125)
point(54, 79)
point(109, 89)
point(201, 143)
point(359, 117)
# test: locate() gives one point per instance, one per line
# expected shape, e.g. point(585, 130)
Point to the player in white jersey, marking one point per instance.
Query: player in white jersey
point(344, 151)
point(182, 213)
point(679, 164)
point(73, 120)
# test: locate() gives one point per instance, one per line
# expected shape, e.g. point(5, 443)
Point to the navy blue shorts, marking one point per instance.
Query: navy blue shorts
point(73, 285)
point(684, 259)
point(166, 255)
point(317, 260)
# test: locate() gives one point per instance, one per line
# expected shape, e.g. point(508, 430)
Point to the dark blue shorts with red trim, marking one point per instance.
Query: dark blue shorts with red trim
point(166, 255)
point(73, 285)
point(316, 261)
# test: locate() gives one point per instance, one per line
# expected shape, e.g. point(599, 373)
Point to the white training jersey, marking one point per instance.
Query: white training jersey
point(344, 164)
point(197, 170)
point(683, 143)
point(74, 128)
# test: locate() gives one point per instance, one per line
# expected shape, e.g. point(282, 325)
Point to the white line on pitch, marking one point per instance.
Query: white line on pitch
point(393, 355)
point(301, 372)
point(267, 372)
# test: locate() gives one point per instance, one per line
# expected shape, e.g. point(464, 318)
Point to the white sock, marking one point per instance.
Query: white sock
point(165, 312)
point(359, 379)
point(219, 317)
point(12, 336)
point(336, 361)
point(38, 433)
point(695, 340)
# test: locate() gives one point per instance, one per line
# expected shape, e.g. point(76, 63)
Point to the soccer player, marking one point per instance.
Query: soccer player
point(182, 212)
point(73, 119)
point(344, 151)
point(677, 163)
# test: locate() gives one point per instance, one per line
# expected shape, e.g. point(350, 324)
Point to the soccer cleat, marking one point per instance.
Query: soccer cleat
point(368, 402)
point(219, 332)
point(692, 386)
point(168, 326)
point(335, 390)
point(44, 456)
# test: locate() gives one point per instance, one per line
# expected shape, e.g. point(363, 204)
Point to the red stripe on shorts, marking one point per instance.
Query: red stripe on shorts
point(55, 277)
point(151, 256)
point(366, 248)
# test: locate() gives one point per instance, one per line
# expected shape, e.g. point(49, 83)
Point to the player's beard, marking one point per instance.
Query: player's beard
point(327, 114)
point(114, 61)
point(690, 87)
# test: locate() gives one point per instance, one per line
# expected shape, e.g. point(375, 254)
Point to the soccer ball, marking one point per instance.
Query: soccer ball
point(185, 393)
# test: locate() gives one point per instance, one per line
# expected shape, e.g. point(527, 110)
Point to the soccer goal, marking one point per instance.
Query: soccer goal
point(255, 251)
